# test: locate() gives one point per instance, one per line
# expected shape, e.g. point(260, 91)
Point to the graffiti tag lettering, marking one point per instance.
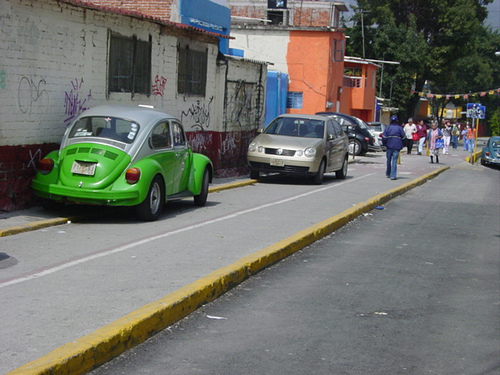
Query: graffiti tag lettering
point(74, 102)
point(198, 115)
point(159, 86)
point(34, 159)
point(30, 93)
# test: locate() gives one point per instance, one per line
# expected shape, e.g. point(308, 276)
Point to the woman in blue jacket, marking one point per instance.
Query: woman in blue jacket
point(392, 139)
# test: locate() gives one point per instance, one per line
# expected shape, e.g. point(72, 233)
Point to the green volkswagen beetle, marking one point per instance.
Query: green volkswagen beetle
point(124, 156)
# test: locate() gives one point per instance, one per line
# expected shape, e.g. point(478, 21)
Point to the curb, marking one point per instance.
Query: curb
point(39, 224)
point(88, 352)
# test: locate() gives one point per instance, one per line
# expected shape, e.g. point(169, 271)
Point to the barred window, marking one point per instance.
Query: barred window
point(129, 65)
point(192, 72)
point(294, 99)
point(338, 51)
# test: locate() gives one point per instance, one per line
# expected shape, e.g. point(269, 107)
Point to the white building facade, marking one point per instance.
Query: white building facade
point(58, 58)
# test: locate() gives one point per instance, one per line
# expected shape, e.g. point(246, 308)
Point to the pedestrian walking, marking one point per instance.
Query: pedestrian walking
point(409, 129)
point(455, 134)
point(464, 137)
point(392, 139)
point(435, 141)
point(471, 139)
point(422, 134)
point(446, 137)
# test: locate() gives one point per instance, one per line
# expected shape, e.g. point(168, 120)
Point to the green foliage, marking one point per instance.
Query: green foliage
point(439, 42)
point(494, 123)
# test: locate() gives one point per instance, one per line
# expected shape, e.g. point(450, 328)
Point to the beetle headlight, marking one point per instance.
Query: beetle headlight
point(310, 152)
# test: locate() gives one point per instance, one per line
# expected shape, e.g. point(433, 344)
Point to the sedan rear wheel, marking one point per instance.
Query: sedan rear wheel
point(150, 209)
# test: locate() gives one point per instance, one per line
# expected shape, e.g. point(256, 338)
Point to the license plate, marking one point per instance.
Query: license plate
point(277, 163)
point(83, 167)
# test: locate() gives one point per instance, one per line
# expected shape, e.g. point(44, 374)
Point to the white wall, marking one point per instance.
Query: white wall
point(53, 65)
point(263, 45)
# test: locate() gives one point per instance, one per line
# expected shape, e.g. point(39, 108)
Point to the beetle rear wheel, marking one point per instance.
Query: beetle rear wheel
point(150, 209)
point(201, 199)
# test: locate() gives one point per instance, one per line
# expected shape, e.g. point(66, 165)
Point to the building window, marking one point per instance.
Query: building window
point(192, 72)
point(294, 99)
point(129, 65)
point(338, 51)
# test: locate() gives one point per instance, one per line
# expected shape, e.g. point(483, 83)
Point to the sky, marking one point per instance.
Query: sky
point(493, 16)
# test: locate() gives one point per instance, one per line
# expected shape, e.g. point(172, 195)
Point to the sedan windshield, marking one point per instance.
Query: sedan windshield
point(113, 128)
point(296, 127)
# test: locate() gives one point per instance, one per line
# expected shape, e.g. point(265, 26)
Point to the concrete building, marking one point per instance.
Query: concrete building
point(59, 58)
point(303, 40)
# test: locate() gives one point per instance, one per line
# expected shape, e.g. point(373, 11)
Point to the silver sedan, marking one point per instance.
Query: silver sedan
point(304, 145)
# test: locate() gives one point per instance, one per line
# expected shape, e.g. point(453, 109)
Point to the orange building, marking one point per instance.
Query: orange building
point(308, 45)
point(359, 88)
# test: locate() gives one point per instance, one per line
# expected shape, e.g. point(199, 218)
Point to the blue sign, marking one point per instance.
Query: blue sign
point(476, 110)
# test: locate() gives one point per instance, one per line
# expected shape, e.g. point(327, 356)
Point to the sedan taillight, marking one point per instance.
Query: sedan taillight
point(46, 166)
point(132, 175)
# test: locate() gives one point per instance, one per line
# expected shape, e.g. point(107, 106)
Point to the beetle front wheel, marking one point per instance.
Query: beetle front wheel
point(150, 209)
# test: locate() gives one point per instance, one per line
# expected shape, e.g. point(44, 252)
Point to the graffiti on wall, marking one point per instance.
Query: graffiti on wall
point(34, 158)
point(200, 141)
point(32, 96)
point(76, 101)
point(244, 110)
point(197, 116)
point(159, 86)
point(244, 105)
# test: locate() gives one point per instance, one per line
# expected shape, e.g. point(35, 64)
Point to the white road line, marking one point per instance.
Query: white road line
point(167, 234)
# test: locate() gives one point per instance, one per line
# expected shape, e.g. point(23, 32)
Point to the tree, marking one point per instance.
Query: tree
point(439, 42)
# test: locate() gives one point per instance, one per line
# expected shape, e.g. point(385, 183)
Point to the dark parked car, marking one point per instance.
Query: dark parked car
point(360, 138)
point(491, 152)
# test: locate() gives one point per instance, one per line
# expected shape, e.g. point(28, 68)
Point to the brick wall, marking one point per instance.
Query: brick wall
point(17, 168)
point(53, 66)
point(156, 8)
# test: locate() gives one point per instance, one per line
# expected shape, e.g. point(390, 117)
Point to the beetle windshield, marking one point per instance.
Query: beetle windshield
point(113, 128)
point(296, 127)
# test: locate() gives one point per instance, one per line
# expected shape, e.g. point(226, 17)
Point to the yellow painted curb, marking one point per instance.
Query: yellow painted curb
point(88, 352)
point(39, 224)
point(234, 185)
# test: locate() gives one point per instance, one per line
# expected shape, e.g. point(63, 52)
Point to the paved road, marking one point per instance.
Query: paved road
point(412, 289)
point(61, 283)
